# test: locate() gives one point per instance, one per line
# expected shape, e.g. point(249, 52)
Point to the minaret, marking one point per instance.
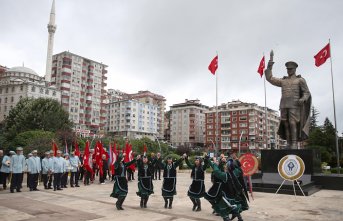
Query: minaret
point(51, 30)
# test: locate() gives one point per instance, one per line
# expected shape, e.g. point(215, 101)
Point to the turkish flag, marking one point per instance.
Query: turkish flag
point(322, 55)
point(54, 148)
point(77, 149)
point(213, 65)
point(261, 67)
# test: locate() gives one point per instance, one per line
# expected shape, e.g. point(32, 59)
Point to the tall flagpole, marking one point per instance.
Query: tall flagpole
point(265, 109)
point(217, 117)
point(334, 108)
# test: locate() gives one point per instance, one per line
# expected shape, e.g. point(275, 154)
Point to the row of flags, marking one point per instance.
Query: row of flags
point(319, 59)
point(99, 151)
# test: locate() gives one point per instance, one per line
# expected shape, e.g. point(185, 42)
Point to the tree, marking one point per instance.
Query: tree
point(313, 118)
point(36, 114)
point(33, 140)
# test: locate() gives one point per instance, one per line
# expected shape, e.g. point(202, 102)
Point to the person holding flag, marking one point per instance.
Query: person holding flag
point(75, 166)
point(120, 187)
point(145, 185)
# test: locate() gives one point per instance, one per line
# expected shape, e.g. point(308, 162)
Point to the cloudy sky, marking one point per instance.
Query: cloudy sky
point(165, 46)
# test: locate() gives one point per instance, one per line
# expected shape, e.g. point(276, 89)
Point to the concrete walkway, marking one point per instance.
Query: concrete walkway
point(93, 203)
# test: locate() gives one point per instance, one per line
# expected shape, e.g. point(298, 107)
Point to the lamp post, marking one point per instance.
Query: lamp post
point(159, 145)
point(239, 143)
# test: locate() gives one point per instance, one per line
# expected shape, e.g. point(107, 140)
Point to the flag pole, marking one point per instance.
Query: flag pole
point(334, 109)
point(265, 109)
point(217, 117)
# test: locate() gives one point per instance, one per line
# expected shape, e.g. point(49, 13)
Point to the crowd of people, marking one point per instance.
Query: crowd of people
point(227, 195)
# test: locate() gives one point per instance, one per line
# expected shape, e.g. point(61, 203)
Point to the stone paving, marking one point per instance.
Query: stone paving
point(93, 203)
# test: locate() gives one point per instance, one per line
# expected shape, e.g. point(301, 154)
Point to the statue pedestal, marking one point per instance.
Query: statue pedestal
point(270, 179)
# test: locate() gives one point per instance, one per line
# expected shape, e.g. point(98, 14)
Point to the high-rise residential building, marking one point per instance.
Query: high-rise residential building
point(51, 30)
point(22, 82)
point(82, 82)
point(187, 124)
point(153, 99)
point(115, 95)
point(132, 119)
point(242, 126)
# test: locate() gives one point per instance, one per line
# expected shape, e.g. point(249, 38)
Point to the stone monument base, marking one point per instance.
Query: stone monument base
point(270, 180)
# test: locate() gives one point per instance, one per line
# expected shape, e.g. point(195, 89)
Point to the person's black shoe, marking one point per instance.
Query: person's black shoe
point(77, 186)
point(59, 189)
point(194, 207)
point(50, 188)
point(35, 189)
point(141, 203)
point(198, 209)
point(54, 189)
point(18, 190)
point(30, 189)
point(12, 191)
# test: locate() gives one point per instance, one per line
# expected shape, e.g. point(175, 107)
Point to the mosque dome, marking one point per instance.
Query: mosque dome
point(21, 69)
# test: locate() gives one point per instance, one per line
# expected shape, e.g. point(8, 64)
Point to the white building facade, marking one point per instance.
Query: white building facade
point(187, 124)
point(132, 119)
point(22, 82)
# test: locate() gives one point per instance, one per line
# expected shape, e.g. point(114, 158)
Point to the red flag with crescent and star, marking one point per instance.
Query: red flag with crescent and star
point(213, 65)
point(322, 55)
point(260, 69)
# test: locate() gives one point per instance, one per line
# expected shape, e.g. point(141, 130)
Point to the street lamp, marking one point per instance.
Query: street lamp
point(159, 145)
point(239, 142)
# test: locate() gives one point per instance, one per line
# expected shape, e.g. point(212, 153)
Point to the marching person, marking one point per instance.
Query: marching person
point(64, 180)
point(28, 175)
point(75, 165)
point(102, 177)
point(81, 170)
point(45, 169)
point(120, 187)
point(169, 180)
point(145, 185)
point(50, 171)
point(88, 174)
point(58, 169)
point(17, 167)
point(5, 168)
point(33, 170)
point(197, 188)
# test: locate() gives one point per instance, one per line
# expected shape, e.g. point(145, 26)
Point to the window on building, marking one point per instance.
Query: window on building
point(12, 99)
point(41, 90)
point(21, 87)
point(242, 118)
point(13, 89)
point(0, 90)
point(5, 99)
point(6, 90)
point(234, 112)
point(33, 89)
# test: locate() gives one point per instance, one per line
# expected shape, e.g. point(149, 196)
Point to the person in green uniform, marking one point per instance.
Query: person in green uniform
point(214, 193)
point(197, 188)
point(120, 187)
point(145, 185)
point(231, 200)
point(169, 180)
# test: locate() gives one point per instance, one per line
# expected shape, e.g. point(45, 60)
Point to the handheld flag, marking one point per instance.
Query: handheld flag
point(54, 148)
point(77, 150)
point(86, 158)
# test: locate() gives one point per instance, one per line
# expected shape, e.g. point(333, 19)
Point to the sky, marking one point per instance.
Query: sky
point(165, 46)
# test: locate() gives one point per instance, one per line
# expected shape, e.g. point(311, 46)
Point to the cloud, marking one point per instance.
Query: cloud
point(166, 46)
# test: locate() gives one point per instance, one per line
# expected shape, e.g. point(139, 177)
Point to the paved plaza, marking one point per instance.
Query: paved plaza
point(93, 203)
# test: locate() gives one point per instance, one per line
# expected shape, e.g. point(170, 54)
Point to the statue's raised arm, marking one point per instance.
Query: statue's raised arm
point(269, 74)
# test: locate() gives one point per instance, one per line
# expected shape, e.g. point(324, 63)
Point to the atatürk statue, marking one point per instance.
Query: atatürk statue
point(295, 104)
